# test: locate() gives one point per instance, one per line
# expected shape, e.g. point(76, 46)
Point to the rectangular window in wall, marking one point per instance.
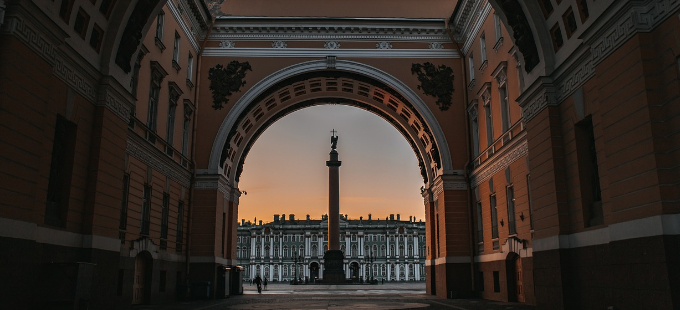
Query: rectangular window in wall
point(175, 52)
point(496, 282)
point(512, 226)
point(531, 205)
point(180, 226)
point(162, 280)
point(494, 216)
point(175, 93)
point(505, 106)
point(482, 43)
point(471, 65)
point(475, 136)
point(480, 227)
point(160, 24)
point(190, 68)
point(589, 175)
point(186, 128)
point(497, 27)
point(146, 210)
point(164, 220)
point(480, 281)
point(489, 123)
point(154, 92)
point(124, 207)
point(61, 168)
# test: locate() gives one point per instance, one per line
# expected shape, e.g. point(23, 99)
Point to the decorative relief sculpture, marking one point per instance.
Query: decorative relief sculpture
point(225, 81)
point(227, 44)
point(524, 38)
point(279, 44)
point(436, 46)
point(436, 82)
point(383, 45)
point(331, 45)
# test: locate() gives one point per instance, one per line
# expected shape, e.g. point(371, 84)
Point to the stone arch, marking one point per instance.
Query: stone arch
point(418, 125)
point(526, 25)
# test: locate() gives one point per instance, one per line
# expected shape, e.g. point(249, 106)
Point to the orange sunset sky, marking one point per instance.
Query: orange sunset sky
point(285, 171)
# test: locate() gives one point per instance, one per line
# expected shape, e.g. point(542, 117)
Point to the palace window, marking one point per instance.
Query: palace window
point(157, 75)
point(164, 219)
point(175, 92)
point(179, 238)
point(61, 167)
point(472, 111)
point(589, 175)
point(186, 127)
point(146, 209)
point(494, 216)
point(124, 206)
point(160, 24)
point(482, 43)
point(480, 225)
point(512, 227)
point(175, 52)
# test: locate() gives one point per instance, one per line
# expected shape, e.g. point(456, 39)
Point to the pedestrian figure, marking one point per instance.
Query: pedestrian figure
point(265, 283)
point(258, 282)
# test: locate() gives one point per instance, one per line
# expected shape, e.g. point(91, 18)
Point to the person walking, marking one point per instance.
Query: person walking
point(258, 282)
point(265, 283)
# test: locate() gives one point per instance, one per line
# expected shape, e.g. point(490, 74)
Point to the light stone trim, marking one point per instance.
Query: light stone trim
point(329, 29)
point(157, 160)
point(507, 155)
point(323, 52)
point(331, 45)
point(10, 228)
point(213, 260)
point(383, 45)
point(435, 46)
point(279, 44)
point(448, 260)
point(227, 44)
point(658, 225)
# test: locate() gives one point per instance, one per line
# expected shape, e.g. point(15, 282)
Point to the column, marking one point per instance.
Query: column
point(417, 271)
point(308, 245)
point(262, 247)
point(389, 272)
point(280, 267)
point(271, 247)
point(280, 247)
point(406, 272)
point(347, 270)
point(387, 250)
point(416, 249)
point(397, 269)
point(348, 249)
point(333, 199)
point(320, 271)
point(361, 245)
point(320, 247)
point(406, 245)
point(252, 247)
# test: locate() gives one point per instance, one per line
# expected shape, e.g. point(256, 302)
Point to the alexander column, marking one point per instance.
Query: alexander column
point(333, 258)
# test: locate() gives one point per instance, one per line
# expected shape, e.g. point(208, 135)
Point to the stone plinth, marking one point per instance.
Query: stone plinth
point(333, 272)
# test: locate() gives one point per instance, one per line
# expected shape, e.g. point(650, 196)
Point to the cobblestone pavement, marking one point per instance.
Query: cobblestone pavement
point(340, 297)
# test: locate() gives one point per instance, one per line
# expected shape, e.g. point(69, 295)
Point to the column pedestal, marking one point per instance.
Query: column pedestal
point(332, 272)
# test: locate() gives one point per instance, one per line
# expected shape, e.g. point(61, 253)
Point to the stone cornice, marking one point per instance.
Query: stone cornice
point(507, 155)
point(47, 41)
point(599, 41)
point(449, 182)
point(322, 53)
point(304, 29)
point(156, 159)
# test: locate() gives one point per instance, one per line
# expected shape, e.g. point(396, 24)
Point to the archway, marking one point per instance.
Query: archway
point(513, 274)
point(354, 271)
point(314, 82)
point(314, 271)
point(141, 288)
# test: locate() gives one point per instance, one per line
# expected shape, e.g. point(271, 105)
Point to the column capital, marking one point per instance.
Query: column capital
point(448, 182)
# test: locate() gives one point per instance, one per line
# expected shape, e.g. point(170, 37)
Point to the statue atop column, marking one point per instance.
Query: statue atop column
point(334, 140)
point(333, 258)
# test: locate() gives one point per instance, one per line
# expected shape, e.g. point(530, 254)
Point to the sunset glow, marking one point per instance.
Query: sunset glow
point(285, 171)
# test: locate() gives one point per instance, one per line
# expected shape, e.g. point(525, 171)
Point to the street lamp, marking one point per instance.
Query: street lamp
point(369, 261)
point(295, 260)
